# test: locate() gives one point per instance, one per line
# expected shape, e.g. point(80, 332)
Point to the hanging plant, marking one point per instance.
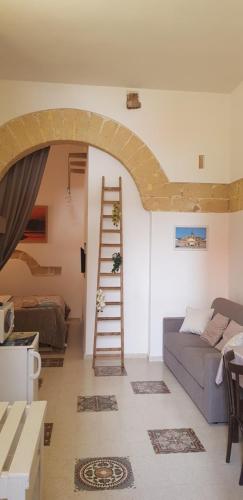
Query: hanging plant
point(117, 261)
point(116, 214)
point(100, 300)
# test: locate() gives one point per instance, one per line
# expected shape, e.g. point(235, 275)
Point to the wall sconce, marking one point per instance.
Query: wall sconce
point(133, 100)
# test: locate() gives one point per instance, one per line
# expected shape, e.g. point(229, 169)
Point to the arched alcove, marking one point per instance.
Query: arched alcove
point(26, 133)
point(32, 131)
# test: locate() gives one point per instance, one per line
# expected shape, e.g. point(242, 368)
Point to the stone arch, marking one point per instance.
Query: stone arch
point(29, 132)
point(35, 268)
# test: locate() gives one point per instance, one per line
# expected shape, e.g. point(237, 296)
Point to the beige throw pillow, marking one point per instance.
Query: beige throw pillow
point(214, 329)
point(232, 329)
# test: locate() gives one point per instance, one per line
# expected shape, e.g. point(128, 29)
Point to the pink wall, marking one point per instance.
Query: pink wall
point(66, 233)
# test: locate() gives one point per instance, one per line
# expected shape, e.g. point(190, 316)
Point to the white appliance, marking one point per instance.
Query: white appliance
point(6, 320)
point(20, 367)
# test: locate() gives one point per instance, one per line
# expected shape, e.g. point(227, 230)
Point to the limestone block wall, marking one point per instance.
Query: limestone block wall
point(35, 268)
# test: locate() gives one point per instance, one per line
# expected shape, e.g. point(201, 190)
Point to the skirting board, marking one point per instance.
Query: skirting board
point(127, 356)
point(155, 358)
point(134, 356)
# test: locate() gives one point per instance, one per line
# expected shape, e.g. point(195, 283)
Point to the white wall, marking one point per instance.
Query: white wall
point(177, 126)
point(181, 278)
point(65, 236)
point(236, 219)
point(236, 257)
point(136, 252)
point(236, 142)
point(178, 277)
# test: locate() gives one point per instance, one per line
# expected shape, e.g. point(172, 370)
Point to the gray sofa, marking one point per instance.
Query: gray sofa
point(194, 363)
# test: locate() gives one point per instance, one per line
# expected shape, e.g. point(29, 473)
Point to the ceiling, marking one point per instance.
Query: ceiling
point(159, 44)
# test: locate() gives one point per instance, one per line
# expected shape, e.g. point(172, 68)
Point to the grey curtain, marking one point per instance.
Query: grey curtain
point(18, 192)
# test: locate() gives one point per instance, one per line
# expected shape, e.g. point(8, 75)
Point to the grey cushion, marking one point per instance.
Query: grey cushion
point(175, 341)
point(194, 360)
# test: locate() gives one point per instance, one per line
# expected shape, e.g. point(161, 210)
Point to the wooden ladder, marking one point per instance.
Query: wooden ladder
point(106, 228)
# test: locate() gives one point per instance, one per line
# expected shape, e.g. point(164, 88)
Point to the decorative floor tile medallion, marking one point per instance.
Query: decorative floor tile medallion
point(52, 362)
point(97, 403)
point(103, 473)
point(47, 433)
point(109, 371)
point(150, 387)
point(175, 441)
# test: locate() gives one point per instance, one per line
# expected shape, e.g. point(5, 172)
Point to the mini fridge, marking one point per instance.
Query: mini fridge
point(20, 367)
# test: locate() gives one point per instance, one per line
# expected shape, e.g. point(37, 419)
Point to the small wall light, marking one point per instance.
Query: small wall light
point(201, 161)
point(133, 100)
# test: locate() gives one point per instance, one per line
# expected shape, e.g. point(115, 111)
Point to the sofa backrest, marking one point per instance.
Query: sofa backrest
point(228, 308)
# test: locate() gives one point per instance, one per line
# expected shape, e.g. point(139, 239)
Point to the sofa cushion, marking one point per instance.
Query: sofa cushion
point(175, 341)
point(232, 329)
point(214, 329)
point(193, 359)
point(196, 320)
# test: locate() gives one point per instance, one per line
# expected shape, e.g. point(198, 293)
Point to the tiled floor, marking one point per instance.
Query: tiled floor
point(78, 436)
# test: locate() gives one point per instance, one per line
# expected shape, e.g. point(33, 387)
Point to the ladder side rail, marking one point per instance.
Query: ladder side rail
point(99, 263)
point(121, 276)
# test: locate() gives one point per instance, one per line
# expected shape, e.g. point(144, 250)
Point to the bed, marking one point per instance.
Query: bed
point(44, 314)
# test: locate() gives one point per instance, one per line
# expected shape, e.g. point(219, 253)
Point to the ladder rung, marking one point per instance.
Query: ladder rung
point(107, 216)
point(77, 155)
point(109, 318)
point(110, 202)
point(116, 349)
point(107, 356)
point(111, 244)
point(106, 259)
point(78, 163)
point(113, 303)
point(110, 274)
point(112, 189)
point(106, 334)
point(111, 231)
point(77, 170)
point(111, 287)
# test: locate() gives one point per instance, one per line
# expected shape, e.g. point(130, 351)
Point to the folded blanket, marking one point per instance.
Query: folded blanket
point(235, 341)
point(29, 302)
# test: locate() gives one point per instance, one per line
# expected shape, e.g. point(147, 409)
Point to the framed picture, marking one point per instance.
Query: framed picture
point(36, 229)
point(191, 237)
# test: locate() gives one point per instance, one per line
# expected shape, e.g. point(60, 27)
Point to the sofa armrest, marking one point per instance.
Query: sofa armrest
point(215, 400)
point(172, 324)
point(212, 361)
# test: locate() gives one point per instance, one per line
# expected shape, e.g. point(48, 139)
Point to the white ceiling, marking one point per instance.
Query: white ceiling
point(160, 44)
